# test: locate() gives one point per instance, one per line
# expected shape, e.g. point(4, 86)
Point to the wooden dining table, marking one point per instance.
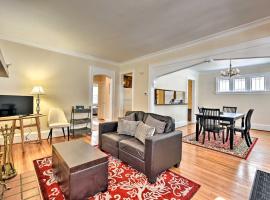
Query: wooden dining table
point(225, 117)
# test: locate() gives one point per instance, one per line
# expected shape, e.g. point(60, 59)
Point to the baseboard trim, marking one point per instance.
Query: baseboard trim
point(261, 127)
point(180, 124)
point(33, 136)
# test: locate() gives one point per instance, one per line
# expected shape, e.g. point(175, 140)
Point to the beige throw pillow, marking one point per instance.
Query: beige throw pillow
point(126, 127)
point(143, 131)
point(159, 125)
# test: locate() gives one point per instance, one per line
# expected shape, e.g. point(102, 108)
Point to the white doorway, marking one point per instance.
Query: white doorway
point(101, 97)
point(94, 91)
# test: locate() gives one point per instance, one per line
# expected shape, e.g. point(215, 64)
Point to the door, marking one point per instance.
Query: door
point(190, 100)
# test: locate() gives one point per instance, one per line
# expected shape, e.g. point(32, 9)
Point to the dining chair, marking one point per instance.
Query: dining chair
point(211, 123)
point(200, 122)
point(245, 131)
point(227, 109)
point(57, 119)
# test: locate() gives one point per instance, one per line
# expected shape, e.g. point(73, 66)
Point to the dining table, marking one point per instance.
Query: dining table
point(224, 117)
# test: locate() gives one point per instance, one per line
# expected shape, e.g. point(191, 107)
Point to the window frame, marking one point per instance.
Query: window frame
point(263, 84)
point(245, 82)
point(248, 84)
point(219, 83)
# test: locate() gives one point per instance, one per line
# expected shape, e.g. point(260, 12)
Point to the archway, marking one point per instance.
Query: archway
point(101, 98)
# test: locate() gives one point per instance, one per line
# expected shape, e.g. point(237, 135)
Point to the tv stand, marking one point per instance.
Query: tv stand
point(21, 126)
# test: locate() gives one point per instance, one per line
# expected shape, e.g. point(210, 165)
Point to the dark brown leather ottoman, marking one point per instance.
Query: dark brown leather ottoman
point(81, 170)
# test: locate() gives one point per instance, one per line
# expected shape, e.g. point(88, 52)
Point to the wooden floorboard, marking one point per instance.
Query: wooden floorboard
point(220, 175)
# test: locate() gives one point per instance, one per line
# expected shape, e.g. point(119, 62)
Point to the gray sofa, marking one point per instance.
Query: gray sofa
point(160, 152)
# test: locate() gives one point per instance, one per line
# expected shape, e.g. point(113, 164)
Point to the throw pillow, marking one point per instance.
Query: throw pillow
point(126, 127)
point(143, 131)
point(159, 125)
point(130, 117)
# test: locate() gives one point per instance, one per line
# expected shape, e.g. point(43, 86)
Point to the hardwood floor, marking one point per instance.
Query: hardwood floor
point(220, 175)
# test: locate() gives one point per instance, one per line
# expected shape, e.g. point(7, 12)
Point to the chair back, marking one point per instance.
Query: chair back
point(211, 118)
point(229, 109)
point(56, 115)
point(200, 109)
point(248, 120)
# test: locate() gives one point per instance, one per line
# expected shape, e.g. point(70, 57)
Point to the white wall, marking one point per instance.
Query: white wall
point(66, 79)
point(260, 102)
point(177, 81)
point(127, 104)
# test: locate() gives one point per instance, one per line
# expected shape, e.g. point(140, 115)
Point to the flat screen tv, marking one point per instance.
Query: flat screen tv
point(15, 105)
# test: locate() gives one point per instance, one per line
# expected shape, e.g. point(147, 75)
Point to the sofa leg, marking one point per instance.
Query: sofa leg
point(152, 180)
point(177, 165)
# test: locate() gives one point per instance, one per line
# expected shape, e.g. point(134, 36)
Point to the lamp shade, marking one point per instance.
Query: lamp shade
point(37, 90)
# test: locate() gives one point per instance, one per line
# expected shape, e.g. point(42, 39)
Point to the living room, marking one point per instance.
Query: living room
point(54, 53)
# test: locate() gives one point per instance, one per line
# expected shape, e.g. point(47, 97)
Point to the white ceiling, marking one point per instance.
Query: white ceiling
point(121, 30)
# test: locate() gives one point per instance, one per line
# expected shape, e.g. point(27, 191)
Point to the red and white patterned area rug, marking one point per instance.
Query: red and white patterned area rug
point(240, 148)
point(124, 183)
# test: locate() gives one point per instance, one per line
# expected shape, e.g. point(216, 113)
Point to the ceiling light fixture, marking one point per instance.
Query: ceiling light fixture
point(230, 72)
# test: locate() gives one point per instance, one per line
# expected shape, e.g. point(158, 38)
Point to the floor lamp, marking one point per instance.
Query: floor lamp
point(37, 90)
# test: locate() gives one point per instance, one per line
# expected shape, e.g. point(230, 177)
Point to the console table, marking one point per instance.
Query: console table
point(21, 126)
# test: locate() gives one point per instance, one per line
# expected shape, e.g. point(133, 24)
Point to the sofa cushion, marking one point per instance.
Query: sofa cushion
point(143, 131)
point(139, 115)
point(133, 147)
point(113, 138)
point(157, 124)
point(130, 117)
point(170, 124)
point(126, 127)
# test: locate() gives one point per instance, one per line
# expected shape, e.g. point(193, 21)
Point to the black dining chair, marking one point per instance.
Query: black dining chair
point(200, 122)
point(200, 109)
point(227, 109)
point(245, 131)
point(211, 123)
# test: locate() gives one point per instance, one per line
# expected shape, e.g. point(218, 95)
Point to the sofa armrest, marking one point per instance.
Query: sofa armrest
point(106, 127)
point(162, 152)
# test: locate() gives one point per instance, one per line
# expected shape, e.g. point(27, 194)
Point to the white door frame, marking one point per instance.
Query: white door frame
point(194, 97)
point(95, 70)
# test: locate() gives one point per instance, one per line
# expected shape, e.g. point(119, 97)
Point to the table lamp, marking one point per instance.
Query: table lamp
point(38, 90)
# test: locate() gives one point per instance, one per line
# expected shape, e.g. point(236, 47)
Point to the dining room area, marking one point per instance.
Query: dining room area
point(223, 129)
point(227, 99)
point(227, 141)
point(231, 96)
point(224, 119)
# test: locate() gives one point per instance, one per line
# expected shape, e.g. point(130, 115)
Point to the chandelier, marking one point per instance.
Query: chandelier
point(230, 72)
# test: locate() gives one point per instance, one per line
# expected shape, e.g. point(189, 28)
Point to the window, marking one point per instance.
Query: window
point(95, 94)
point(239, 84)
point(257, 84)
point(248, 83)
point(224, 85)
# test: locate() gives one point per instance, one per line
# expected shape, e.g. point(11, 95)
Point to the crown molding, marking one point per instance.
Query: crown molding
point(227, 32)
point(58, 50)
